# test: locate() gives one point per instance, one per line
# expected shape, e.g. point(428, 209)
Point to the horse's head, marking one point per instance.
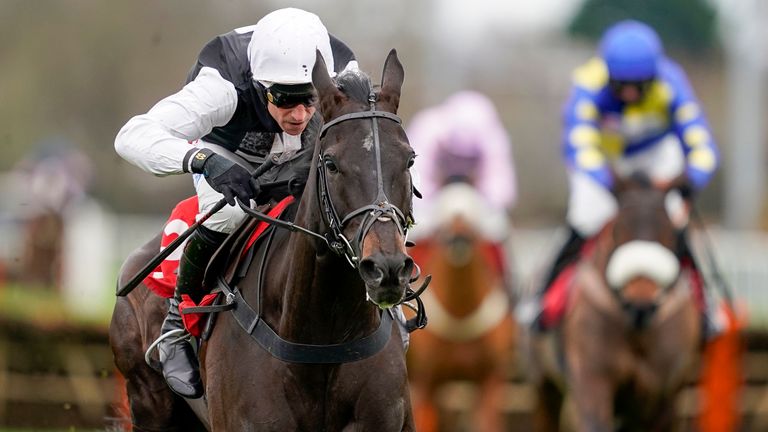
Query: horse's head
point(463, 221)
point(364, 183)
point(642, 263)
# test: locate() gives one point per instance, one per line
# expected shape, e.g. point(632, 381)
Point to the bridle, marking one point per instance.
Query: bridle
point(381, 210)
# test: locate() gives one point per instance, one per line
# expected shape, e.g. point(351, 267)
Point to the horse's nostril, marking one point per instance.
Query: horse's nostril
point(370, 271)
point(406, 271)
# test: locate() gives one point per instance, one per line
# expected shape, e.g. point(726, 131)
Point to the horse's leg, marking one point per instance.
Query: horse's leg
point(549, 403)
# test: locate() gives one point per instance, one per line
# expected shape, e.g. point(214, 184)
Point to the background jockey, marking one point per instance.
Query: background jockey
point(631, 109)
point(462, 141)
point(249, 96)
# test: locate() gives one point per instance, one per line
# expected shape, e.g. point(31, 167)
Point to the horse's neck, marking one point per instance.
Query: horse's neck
point(463, 288)
point(323, 299)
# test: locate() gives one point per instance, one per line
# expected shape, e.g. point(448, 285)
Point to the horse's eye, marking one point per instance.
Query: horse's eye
point(330, 165)
point(411, 160)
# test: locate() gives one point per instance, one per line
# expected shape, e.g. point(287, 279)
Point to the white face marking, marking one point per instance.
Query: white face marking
point(368, 141)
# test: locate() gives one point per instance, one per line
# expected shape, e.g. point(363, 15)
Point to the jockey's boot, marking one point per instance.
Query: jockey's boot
point(177, 356)
point(568, 254)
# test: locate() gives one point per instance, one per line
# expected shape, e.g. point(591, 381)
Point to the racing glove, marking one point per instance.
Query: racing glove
point(225, 176)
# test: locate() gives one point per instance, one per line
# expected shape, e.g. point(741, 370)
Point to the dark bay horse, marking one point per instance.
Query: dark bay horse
point(631, 331)
point(332, 358)
point(470, 335)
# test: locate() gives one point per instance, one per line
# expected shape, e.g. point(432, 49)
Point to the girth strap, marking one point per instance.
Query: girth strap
point(292, 352)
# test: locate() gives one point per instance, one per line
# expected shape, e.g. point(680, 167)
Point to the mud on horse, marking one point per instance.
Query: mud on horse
point(631, 328)
point(309, 341)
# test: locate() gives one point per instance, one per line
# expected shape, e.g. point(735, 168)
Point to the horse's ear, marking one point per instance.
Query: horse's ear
point(391, 82)
point(327, 92)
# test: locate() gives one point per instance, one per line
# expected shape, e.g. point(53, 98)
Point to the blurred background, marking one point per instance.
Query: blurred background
point(73, 72)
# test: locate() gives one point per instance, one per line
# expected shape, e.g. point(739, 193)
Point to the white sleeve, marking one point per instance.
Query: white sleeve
point(158, 140)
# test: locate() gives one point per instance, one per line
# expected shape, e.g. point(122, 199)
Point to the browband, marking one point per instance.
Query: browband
point(360, 115)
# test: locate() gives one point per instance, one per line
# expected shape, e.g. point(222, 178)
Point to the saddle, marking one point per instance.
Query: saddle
point(228, 260)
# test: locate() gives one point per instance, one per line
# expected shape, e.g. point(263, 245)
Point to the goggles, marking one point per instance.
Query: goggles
point(290, 96)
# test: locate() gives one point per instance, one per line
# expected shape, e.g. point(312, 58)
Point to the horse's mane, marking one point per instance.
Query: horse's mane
point(355, 84)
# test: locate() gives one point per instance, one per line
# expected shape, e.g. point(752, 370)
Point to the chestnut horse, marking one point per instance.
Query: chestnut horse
point(631, 330)
point(471, 330)
point(309, 342)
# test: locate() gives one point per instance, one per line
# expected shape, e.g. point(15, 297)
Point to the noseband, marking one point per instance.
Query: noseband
point(381, 210)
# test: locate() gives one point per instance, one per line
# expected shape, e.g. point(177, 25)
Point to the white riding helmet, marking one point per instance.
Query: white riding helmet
point(283, 44)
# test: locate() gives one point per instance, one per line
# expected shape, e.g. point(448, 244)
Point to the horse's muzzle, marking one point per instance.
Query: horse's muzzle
point(386, 277)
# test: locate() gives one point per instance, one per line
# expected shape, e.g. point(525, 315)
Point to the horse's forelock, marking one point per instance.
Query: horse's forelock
point(355, 84)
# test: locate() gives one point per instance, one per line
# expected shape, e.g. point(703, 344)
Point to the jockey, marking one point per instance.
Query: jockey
point(249, 96)
point(463, 142)
point(631, 109)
